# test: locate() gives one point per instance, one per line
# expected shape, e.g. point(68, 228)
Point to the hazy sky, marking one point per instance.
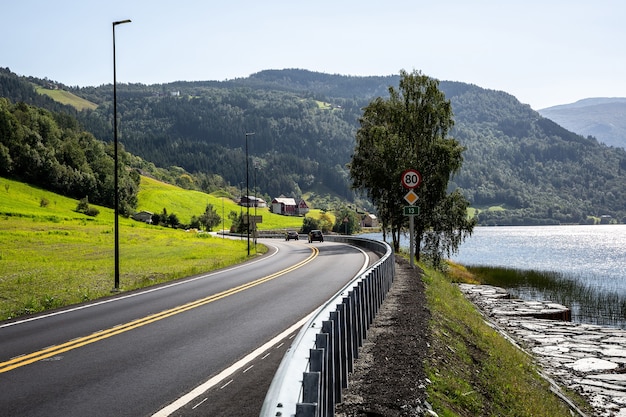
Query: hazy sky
point(544, 52)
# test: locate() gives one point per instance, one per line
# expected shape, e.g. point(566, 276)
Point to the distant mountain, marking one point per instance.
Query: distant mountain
point(519, 167)
point(602, 118)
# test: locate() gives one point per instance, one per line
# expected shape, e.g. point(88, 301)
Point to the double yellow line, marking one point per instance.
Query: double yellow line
point(105, 334)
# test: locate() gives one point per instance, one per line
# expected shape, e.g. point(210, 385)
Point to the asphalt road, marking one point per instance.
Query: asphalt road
point(137, 353)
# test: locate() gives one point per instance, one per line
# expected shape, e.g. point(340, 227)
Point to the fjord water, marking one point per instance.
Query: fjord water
point(596, 254)
point(591, 257)
point(586, 266)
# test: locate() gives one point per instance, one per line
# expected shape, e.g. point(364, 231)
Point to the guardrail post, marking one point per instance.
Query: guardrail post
point(322, 342)
point(362, 306)
point(306, 410)
point(356, 322)
point(317, 363)
point(340, 366)
point(350, 331)
point(380, 293)
point(343, 341)
point(328, 328)
point(374, 298)
point(367, 285)
point(311, 387)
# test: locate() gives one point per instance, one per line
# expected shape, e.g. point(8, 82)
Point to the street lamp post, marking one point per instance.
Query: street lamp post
point(256, 203)
point(248, 194)
point(116, 286)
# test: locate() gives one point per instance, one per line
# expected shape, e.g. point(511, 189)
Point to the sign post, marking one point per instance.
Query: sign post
point(411, 179)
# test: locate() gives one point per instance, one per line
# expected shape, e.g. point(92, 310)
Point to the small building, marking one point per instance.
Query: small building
point(251, 201)
point(369, 220)
point(288, 206)
point(303, 208)
point(143, 216)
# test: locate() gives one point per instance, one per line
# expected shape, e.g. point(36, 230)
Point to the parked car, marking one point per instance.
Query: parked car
point(291, 235)
point(316, 235)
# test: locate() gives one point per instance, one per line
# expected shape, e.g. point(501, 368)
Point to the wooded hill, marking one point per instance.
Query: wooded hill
point(520, 168)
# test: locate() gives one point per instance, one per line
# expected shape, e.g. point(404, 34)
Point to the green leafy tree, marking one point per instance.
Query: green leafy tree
point(210, 218)
point(347, 221)
point(236, 219)
point(308, 224)
point(410, 130)
point(161, 219)
point(173, 221)
point(194, 223)
point(84, 207)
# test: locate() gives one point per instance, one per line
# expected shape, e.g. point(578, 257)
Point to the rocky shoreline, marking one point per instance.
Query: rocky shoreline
point(388, 379)
point(587, 359)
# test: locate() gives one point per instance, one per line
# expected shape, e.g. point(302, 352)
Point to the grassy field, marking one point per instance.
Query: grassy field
point(154, 196)
point(66, 97)
point(52, 256)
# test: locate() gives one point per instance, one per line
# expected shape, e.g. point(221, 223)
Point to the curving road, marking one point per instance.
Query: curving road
point(137, 354)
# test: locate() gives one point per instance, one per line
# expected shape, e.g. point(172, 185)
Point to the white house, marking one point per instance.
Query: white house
point(251, 201)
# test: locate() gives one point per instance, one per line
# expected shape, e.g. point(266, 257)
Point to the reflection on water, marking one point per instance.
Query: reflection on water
point(590, 257)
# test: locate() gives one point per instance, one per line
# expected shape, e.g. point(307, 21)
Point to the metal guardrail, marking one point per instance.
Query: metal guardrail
point(315, 369)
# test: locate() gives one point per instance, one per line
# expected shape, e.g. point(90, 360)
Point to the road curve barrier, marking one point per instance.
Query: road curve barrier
point(315, 369)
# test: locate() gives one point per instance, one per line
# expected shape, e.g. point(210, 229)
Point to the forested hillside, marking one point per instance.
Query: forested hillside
point(520, 168)
point(49, 150)
point(538, 171)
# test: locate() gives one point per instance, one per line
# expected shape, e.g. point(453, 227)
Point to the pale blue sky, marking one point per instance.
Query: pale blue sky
point(544, 52)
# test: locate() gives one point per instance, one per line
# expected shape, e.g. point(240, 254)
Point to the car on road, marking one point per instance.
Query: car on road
point(291, 235)
point(316, 235)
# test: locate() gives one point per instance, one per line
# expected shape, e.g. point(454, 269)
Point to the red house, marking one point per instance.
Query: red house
point(289, 207)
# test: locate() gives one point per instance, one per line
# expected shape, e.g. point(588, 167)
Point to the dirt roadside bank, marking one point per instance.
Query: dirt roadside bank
point(389, 378)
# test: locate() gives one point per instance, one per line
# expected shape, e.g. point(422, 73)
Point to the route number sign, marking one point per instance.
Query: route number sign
point(411, 179)
point(411, 210)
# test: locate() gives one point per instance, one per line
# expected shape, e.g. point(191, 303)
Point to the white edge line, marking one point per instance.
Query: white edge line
point(195, 393)
point(201, 389)
point(138, 293)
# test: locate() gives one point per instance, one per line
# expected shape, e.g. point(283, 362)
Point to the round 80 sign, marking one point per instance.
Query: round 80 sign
point(411, 178)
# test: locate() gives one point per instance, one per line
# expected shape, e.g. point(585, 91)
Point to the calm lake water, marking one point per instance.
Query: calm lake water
point(595, 256)
point(590, 252)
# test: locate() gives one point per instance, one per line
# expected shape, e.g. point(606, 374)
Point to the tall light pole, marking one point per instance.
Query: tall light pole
point(116, 287)
point(256, 203)
point(248, 194)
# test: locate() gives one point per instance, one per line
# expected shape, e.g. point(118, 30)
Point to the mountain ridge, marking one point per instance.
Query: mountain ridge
point(526, 167)
point(601, 117)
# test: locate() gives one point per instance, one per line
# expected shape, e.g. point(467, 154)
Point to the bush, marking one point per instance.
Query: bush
point(83, 207)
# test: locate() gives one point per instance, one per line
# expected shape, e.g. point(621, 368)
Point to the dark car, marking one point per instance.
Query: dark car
point(316, 235)
point(291, 235)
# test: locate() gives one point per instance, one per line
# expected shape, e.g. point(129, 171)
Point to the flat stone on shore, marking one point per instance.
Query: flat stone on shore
point(587, 358)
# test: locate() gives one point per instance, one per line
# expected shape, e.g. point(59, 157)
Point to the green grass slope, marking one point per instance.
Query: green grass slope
point(154, 196)
point(65, 97)
point(52, 256)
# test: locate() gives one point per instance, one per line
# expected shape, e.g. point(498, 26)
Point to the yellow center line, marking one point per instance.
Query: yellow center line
point(104, 334)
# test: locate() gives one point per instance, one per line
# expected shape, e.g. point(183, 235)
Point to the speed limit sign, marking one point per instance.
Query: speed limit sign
point(411, 178)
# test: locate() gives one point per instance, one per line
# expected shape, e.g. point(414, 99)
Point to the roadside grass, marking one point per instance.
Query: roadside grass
point(474, 370)
point(52, 256)
point(46, 264)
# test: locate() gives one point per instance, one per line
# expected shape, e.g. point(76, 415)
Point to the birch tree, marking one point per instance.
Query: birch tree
point(410, 130)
